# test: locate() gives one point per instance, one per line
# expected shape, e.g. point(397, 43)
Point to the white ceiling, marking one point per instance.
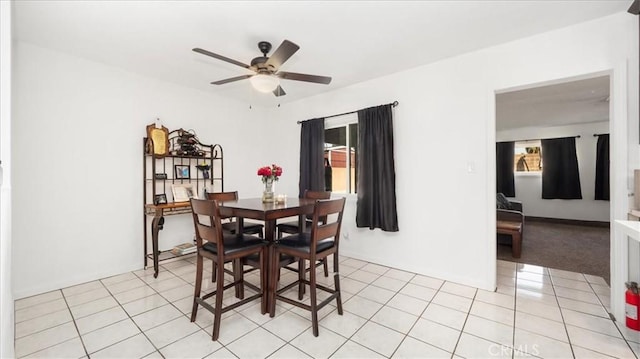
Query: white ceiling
point(351, 41)
point(580, 101)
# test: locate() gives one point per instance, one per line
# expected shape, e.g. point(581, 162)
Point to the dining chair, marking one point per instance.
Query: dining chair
point(319, 243)
point(230, 225)
point(214, 245)
point(293, 228)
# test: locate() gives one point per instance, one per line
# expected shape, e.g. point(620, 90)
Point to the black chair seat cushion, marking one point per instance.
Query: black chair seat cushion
point(248, 227)
point(301, 242)
point(235, 244)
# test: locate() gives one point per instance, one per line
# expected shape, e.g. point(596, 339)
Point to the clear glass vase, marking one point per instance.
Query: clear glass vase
point(268, 195)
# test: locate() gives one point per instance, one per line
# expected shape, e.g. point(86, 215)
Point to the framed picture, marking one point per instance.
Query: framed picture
point(160, 176)
point(183, 192)
point(182, 172)
point(157, 140)
point(160, 199)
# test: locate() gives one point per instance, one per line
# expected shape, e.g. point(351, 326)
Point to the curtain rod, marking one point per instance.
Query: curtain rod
point(599, 134)
point(539, 139)
point(394, 104)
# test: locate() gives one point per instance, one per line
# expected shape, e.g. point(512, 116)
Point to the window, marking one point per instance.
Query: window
point(340, 153)
point(527, 157)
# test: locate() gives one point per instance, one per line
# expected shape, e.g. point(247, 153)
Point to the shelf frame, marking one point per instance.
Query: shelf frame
point(184, 149)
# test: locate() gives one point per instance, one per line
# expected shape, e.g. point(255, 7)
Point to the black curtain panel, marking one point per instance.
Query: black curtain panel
point(504, 168)
point(311, 156)
point(602, 168)
point(560, 175)
point(376, 183)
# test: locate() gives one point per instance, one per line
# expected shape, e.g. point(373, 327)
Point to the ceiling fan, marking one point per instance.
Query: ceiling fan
point(267, 74)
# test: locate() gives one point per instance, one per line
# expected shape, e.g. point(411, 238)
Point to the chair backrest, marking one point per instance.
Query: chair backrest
point(223, 196)
point(206, 220)
point(330, 229)
point(317, 195)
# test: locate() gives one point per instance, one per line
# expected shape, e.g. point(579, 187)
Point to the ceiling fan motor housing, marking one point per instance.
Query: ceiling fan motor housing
point(264, 47)
point(260, 60)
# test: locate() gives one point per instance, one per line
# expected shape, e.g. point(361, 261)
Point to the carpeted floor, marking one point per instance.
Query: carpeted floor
point(582, 249)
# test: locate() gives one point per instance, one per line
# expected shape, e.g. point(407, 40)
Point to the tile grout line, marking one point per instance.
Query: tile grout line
point(564, 323)
point(53, 345)
point(73, 319)
point(130, 317)
point(455, 347)
point(414, 324)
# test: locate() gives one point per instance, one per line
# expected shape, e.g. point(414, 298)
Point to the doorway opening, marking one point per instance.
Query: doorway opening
point(566, 234)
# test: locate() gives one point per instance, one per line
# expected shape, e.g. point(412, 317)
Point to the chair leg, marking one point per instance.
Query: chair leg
point(314, 301)
point(264, 275)
point(217, 314)
point(197, 291)
point(301, 276)
point(326, 267)
point(213, 273)
point(336, 283)
point(273, 280)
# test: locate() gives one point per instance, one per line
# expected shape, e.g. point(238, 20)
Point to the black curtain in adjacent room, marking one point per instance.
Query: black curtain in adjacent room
point(504, 168)
point(311, 156)
point(602, 168)
point(376, 183)
point(560, 175)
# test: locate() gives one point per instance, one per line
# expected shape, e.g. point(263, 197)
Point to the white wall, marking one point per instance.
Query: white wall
point(6, 294)
point(445, 123)
point(77, 135)
point(529, 185)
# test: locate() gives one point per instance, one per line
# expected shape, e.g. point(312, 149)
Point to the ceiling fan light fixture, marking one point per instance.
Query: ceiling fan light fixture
point(264, 83)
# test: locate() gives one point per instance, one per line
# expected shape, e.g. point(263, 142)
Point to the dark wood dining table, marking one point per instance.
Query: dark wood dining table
point(269, 213)
point(254, 208)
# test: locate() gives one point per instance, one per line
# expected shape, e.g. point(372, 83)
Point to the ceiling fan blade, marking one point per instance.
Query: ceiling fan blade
point(220, 57)
point(635, 8)
point(304, 77)
point(279, 91)
point(232, 79)
point(282, 54)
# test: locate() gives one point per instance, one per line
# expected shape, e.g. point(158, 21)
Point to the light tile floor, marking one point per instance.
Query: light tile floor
point(536, 312)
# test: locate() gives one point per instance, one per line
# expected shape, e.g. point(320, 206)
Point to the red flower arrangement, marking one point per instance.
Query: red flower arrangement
point(272, 172)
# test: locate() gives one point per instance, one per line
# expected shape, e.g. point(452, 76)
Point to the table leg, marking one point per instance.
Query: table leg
point(269, 236)
point(156, 226)
point(302, 223)
point(238, 267)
